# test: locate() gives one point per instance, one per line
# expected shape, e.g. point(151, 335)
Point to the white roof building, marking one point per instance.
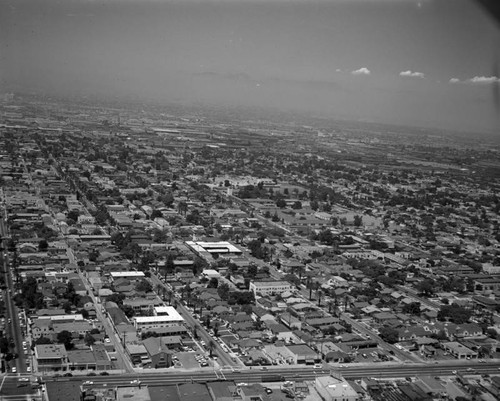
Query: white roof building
point(165, 316)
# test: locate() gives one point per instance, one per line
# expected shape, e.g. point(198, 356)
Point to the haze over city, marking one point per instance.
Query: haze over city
point(419, 63)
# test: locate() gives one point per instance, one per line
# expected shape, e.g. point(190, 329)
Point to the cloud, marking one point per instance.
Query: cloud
point(361, 71)
point(478, 80)
point(412, 74)
point(483, 80)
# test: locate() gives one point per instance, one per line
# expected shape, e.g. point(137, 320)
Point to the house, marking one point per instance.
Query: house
point(252, 392)
point(290, 321)
point(76, 329)
point(278, 355)
point(322, 323)
point(412, 332)
point(281, 332)
point(138, 353)
point(142, 306)
point(332, 353)
point(466, 330)
point(458, 350)
point(41, 328)
point(158, 351)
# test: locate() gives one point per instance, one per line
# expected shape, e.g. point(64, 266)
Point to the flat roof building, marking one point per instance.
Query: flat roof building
point(165, 316)
point(270, 287)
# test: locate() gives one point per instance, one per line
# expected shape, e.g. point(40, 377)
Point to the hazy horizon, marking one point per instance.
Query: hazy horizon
point(429, 63)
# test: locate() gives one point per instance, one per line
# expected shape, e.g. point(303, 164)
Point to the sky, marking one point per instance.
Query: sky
point(429, 63)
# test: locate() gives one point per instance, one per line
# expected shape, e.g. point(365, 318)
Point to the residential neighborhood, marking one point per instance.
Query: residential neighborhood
point(148, 244)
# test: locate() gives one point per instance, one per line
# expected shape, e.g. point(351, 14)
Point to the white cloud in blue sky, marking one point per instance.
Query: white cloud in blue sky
point(361, 71)
point(412, 74)
point(479, 80)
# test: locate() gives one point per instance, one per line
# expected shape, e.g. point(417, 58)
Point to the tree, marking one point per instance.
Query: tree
point(211, 347)
point(43, 340)
point(73, 215)
point(116, 298)
point(389, 335)
point(128, 310)
point(93, 255)
point(43, 245)
point(4, 345)
point(281, 203)
point(213, 283)
point(426, 287)
point(223, 291)
point(358, 220)
point(89, 339)
point(455, 313)
point(412, 308)
point(144, 286)
point(199, 265)
point(292, 278)
point(297, 205)
point(65, 337)
point(252, 271)
point(156, 213)
point(67, 307)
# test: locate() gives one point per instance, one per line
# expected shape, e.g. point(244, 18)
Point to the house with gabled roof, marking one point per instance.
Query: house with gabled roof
point(158, 351)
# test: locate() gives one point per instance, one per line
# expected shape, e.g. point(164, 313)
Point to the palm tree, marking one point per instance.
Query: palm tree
point(211, 347)
point(216, 328)
point(168, 294)
point(331, 304)
point(182, 207)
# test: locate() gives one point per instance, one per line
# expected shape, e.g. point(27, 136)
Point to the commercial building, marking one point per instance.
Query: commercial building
point(51, 357)
point(270, 287)
point(165, 316)
point(335, 389)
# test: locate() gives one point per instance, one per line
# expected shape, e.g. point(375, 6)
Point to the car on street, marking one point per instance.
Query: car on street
point(135, 382)
point(87, 383)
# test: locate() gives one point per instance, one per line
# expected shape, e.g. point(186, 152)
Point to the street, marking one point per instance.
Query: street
point(13, 329)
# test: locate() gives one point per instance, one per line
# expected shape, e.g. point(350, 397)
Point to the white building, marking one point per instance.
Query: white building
point(210, 273)
point(270, 287)
point(165, 316)
point(130, 275)
point(335, 389)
